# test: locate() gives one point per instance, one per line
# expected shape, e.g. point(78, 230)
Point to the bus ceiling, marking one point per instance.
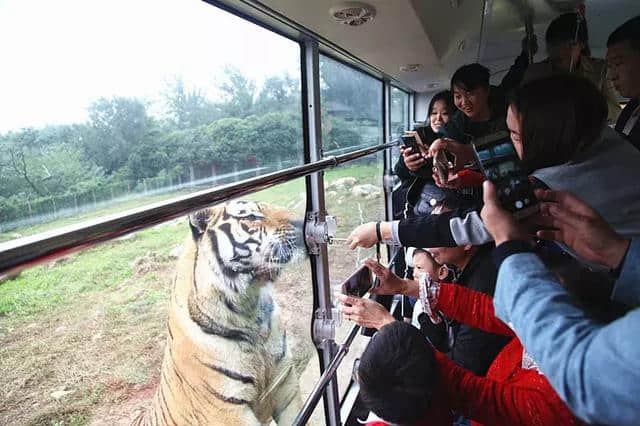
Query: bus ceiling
point(421, 42)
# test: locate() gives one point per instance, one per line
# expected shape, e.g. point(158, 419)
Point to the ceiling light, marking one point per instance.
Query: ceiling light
point(410, 67)
point(352, 13)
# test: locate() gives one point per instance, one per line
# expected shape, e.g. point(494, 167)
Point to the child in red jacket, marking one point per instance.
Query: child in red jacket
point(399, 363)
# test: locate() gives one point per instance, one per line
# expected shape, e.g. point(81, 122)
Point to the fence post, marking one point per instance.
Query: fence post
point(75, 201)
point(55, 212)
point(144, 183)
point(94, 198)
point(29, 205)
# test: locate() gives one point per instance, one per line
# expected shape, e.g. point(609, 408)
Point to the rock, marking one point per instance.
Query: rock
point(61, 329)
point(366, 191)
point(342, 184)
point(176, 252)
point(60, 394)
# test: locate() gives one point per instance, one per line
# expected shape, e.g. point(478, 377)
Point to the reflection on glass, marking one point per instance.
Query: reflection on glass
point(351, 108)
point(130, 117)
point(399, 117)
point(90, 333)
point(354, 195)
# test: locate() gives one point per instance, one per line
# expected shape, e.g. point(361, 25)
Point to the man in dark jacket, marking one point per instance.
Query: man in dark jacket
point(468, 347)
point(623, 57)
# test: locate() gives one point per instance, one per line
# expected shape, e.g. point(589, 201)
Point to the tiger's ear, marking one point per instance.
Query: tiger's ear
point(198, 222)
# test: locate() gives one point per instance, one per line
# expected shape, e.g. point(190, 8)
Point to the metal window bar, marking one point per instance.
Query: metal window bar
point(316, 213)
point(21, 253)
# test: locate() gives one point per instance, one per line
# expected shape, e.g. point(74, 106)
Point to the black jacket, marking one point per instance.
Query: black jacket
point(470, 347)
point(634, 136)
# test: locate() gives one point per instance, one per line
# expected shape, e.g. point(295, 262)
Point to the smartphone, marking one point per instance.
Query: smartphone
point(411, 142)
point(359, 283)
point(500, 164)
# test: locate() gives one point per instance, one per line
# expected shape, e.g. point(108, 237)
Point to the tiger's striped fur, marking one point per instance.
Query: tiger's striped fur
point(226, 361)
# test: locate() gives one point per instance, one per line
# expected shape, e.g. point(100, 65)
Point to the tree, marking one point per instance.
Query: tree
point(279, 94)
point(189, 107)
point(118, 124)
point(359, 95)
point(238, 94)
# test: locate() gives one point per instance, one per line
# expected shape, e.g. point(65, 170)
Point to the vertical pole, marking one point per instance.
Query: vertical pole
point(316, 207)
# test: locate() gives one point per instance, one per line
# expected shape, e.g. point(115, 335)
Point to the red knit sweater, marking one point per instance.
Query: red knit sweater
point(509, 394)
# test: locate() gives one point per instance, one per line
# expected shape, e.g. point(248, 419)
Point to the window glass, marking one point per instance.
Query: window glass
point(354, 196)
point(399, 117)
point(83, 338)
point(351, 103)
point(111, 105)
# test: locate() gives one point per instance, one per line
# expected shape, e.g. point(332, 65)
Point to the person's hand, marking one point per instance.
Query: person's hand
point(412, 160)
point(580, 227)
point(390, 283)
point(453, 180)
point(363, 236)
point(463, 153)
point(364, 312)
point(499, 222)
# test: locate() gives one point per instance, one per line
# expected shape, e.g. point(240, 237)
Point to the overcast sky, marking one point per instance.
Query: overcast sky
point(58, 56)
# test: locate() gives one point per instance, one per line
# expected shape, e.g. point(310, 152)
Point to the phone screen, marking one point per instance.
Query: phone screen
point(501, 165)
point(359, 283)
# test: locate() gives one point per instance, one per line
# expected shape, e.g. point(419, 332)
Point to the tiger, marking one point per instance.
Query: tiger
point(226, 360)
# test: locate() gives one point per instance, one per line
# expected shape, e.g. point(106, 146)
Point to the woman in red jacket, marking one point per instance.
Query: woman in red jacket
point(513, 392)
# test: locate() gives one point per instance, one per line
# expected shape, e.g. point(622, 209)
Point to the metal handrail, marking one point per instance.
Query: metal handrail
point(24, 252)
point(313, 398)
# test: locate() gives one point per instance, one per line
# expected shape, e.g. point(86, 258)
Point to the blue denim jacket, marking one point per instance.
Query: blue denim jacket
point(595, 368)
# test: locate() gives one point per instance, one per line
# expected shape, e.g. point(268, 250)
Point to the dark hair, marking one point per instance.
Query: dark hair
point(397, 373)
point(629, 31)
point(564, 28)
point(470, 77)
point(445, 96)
point(562, 115)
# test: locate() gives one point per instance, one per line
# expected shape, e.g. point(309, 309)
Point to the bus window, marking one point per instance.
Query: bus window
point(351, 105)
point(399, 117)
point(131, 114)
point(138, 115)
point(359, 182)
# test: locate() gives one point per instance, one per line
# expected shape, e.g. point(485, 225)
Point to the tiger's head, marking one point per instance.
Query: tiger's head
point(245, 242)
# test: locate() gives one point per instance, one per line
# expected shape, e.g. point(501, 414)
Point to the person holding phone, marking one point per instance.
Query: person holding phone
point(594, 366)
point(558, 129)
point(417, 191)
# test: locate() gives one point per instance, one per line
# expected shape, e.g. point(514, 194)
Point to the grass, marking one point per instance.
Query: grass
point(93, 323)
